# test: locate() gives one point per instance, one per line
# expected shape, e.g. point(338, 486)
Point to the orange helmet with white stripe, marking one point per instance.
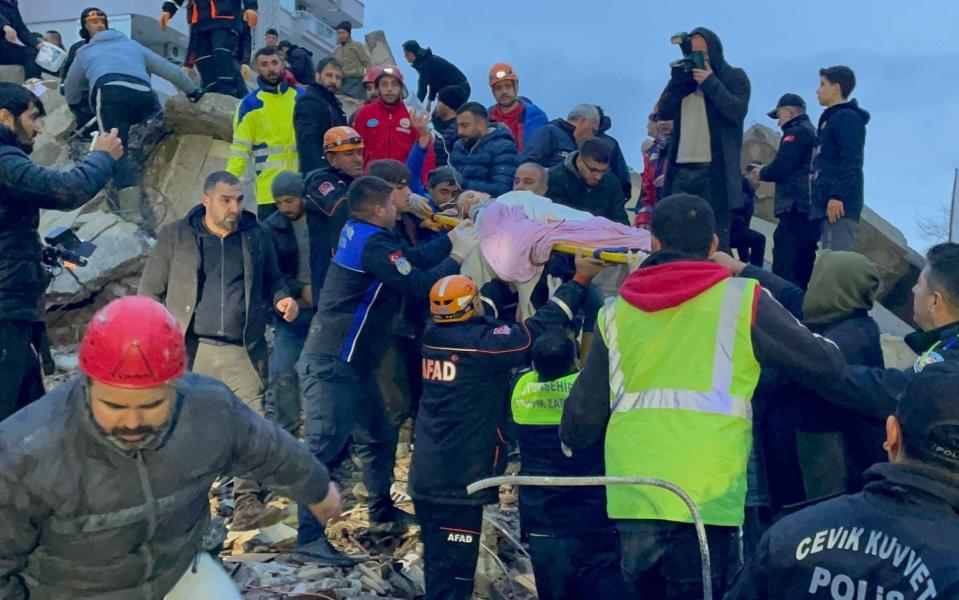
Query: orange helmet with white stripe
point(453, 299)
point(341, 138)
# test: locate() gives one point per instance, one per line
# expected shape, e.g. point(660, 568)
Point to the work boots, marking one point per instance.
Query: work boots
point(250, 514)
point(392, 521)
point(322, 552)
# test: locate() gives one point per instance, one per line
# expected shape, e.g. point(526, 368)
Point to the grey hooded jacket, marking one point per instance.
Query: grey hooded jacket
point(112, 53)
point(80, 518)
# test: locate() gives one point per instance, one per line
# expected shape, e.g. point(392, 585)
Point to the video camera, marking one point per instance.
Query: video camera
point(692, 59)
point(64, 249)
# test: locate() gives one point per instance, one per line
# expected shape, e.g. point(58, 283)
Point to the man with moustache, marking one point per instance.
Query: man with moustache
point(216, 271)
point(316, 112)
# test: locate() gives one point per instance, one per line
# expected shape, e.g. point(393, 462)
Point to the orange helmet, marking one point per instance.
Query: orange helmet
point(371, 73)
point(501, 72)
point(341, 139)
point(452, 299)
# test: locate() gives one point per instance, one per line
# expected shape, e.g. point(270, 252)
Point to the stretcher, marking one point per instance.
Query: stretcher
point(611, 255)
point(593, 481)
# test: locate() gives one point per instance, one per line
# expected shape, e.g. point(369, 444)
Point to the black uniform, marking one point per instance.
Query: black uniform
point(896, 539)
point(370, 273)
point(215, 31)
point(466, 376)
point(316, 111)
point(797, 235)
point(573, 544)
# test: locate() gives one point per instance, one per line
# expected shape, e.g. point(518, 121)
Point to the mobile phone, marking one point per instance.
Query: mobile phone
point(699, 61)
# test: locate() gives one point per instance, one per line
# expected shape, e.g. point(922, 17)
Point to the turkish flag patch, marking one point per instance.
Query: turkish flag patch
point(789, 138)
point(326, 187)
point(396, 256)
point(502, 330)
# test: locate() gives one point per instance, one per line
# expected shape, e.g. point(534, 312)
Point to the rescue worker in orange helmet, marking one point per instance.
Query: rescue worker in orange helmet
point(519, 114)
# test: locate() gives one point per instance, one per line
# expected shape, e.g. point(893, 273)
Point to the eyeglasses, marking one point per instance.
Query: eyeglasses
point(595, 170)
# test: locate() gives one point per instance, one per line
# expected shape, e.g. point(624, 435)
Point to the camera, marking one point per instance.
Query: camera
point(692, 59)
point(64, 249)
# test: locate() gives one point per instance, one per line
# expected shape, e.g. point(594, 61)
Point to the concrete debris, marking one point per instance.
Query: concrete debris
point(66, 362)
point(379, 48)
point(212, 116)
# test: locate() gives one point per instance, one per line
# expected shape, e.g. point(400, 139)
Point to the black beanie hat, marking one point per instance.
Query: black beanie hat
point(453, 96)
point(83, 19)
point(345, 25)
point(412, 46)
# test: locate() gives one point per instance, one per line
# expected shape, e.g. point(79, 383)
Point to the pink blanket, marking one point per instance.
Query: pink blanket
point(516, 247)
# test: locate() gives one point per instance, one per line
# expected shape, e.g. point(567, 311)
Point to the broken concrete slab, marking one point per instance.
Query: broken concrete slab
point(211, 116)
point(379, 48)
point(896, 353)
point(12, 74)
point(176, 172)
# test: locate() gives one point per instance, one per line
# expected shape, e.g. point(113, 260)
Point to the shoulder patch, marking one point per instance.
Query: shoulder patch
point(326, 187)
point(372, 122)
point(789, 138)
point(502, 330)
point(399, 261)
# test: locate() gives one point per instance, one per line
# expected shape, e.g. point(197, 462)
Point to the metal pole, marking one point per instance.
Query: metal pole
point(594, 481)
point(954, 211)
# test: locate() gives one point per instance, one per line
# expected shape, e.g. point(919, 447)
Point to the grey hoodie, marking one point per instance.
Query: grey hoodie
point(112, 53)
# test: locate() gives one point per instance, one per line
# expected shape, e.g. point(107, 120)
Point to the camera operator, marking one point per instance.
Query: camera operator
point(25, 188)
point(707, 100)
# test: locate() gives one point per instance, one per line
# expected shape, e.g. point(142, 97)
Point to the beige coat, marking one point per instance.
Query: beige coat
point(354, 57)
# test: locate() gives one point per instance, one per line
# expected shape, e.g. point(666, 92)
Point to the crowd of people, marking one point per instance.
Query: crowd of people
point(697, 368)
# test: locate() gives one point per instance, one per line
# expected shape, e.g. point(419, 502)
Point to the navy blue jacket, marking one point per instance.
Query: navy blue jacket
point(465, 401)
point(372, 269)
point(436, 73)
point(25, 188)
point(316, 111)
point(790, 169)
point(895, 539)
point(837, 164)
point(489, 165)
point(444, 139)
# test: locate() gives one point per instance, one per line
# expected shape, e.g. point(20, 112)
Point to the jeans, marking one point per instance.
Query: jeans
point(288, 340)
point(20, 365)
point(231, 364)
point(577, 567)
point(794, 247)
point(341, 402)
point(451, 538)
point(661, 559)
point(353, 87)
point(697, 179)
point(840, 235)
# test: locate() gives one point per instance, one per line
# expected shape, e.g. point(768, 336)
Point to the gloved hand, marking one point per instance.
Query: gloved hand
point(164, 19)
point(251, 17)
point(420, 207)
point(195, 95)
point(465, 239)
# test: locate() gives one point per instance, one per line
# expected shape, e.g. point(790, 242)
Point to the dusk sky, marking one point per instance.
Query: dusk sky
point(616, 53)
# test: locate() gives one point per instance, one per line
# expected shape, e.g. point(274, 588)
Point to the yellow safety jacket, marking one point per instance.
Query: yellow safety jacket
point(263, 130)
point(681, 384)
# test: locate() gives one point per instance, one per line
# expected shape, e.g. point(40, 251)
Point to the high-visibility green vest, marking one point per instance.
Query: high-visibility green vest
point(681, 384)
point(540, 403)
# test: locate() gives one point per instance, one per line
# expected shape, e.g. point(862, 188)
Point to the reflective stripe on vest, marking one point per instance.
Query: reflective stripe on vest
point(681, 381)
point(540, 403)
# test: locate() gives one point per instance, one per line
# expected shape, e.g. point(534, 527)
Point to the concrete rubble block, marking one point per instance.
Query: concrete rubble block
point(12, 74)
point(899, 265)
point(177, 170)
point(896, 353)
point(121, 251)
point(379, 48)
point(211, 116)
point(760, 143)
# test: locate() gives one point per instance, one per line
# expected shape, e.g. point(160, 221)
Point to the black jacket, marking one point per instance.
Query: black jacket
point(567, 187)
point(791, 167)
point(552, 143)
point(25, 188)
point(727, 101)
point(489, 164)
point(895, 539)
point(101, 522)
point(447, 134)
point(315, 113)
point(326, 212)
point(172, 276)
point(204, 15)
point(465, 401)
point(362, 291)
point(10, 15)
point(300, 61)
point(837, 163)
point(436, 73)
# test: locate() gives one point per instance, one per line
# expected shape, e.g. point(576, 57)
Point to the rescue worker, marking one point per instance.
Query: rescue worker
point(121, 509)
point(92, 21)
point(386, 125)
point(215, 30)
point(466, 365)
point(325, 203)
point(573, 545)
point(263, 129)
point(896, 538)
point(371, 271)
point(683, 416)
point(516, 112)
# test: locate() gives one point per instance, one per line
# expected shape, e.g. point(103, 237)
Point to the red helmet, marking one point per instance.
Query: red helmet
point(133, 343)
point(391, 70)
point(371, 73)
